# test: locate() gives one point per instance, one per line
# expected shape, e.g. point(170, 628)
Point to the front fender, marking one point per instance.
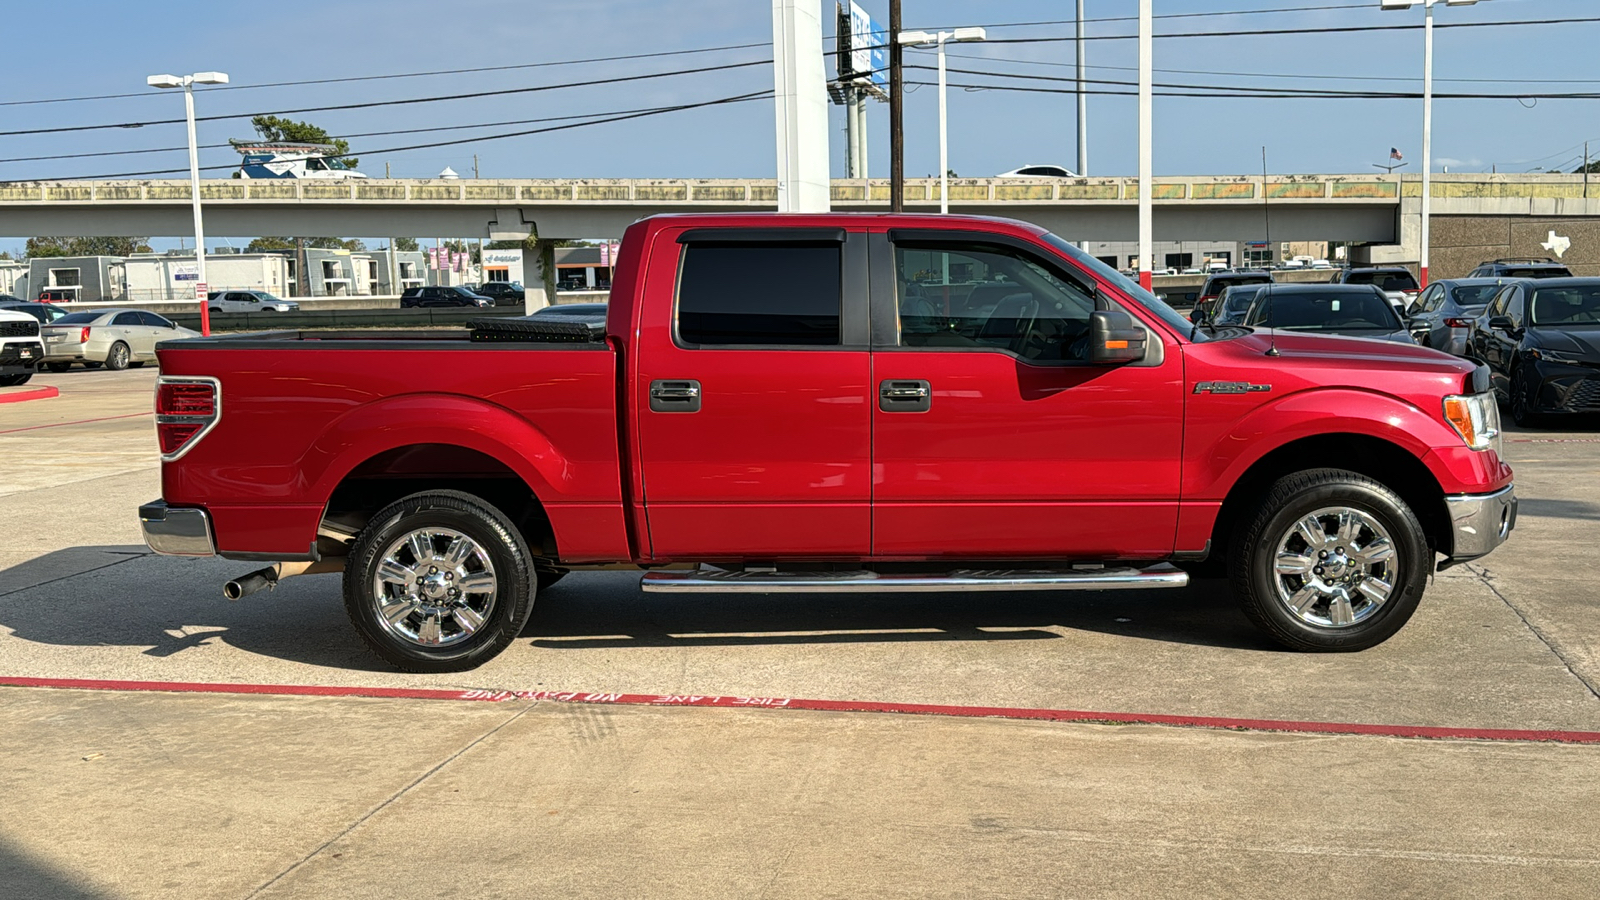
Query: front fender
point(1222, 450)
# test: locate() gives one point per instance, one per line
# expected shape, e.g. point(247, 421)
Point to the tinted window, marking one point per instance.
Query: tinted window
point(1566, 306)
point(1385, 281)
point(1474, 296)
point(962, 296)
point(1324, 311)
point(1237, 299)
point(412, 292)
point(127, 318)
point(78, 318)
point(153, 320)
point(759, 294)
point(1541, 272)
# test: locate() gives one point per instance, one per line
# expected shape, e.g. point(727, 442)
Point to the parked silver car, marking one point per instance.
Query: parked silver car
point(114, 338)
point(248, 302)
point(1443, 314)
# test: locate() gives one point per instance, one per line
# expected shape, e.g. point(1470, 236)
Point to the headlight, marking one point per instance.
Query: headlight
point(1554, 356)
point(1476, 417)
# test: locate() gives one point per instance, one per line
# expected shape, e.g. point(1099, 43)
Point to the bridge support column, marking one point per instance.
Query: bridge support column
point(802, 106)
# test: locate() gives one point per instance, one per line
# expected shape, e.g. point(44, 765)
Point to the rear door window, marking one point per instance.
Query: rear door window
point(126, 319)
point(760, 294)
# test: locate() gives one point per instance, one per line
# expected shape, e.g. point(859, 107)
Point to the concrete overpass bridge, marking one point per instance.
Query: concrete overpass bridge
point(1481, 215)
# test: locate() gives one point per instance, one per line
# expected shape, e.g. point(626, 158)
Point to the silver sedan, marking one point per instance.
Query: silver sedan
point(114, 338)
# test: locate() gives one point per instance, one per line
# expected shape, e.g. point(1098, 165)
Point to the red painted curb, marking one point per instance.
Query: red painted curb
point(34, 393)
point(916, 709)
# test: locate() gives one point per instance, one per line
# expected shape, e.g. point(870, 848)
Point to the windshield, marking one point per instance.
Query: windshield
point(1566, 307)
point(1386, 281)
point(1541, 272)
point(78, 318)
point(266, 297)
point(1323, 311)
point(1128, 286)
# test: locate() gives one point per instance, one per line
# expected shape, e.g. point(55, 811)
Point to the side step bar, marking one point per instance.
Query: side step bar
point(713, 580)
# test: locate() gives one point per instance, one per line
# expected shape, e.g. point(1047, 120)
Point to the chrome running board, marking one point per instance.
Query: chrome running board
point(714, 580)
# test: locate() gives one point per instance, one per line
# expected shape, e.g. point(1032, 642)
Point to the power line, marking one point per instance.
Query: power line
point(1276, 75)
point(277, 84)
point(1228, 92)
point(378, 103)
point(1331, 29)
point(738, 98)
point(1277, 91)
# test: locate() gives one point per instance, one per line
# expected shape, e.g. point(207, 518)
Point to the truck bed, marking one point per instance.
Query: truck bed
point(294, 427)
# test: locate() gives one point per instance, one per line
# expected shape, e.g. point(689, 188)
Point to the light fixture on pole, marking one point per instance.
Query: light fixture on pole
point(1427, 116)
point(925, 39)
point(187, 82)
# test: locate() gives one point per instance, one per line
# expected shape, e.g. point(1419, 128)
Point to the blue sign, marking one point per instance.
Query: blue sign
point(869, 46)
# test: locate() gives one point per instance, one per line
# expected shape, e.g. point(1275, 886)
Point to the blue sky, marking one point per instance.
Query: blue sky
point(991, 131)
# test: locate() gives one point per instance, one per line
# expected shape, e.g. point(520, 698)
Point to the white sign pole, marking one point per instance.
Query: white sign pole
point(801, 106)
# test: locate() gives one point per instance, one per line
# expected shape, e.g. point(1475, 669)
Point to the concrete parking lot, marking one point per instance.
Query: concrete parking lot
point(148, 794)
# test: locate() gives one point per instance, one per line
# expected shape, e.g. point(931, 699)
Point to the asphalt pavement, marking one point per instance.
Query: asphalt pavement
point(139, 794)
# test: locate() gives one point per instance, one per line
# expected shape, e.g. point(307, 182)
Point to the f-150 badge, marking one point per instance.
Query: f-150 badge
point(1230, 387)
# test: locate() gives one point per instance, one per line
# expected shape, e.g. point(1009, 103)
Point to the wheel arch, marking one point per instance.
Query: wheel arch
point(1388, 463)
point(400, 471)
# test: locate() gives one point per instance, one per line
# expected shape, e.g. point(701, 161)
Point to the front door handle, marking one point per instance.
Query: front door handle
point(675, 395)
point(905, 396)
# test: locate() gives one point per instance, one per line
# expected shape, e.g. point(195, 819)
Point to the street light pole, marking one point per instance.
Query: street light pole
point(922, 39)
point(1083, 103)
point(1427, 117)
point(187, 82)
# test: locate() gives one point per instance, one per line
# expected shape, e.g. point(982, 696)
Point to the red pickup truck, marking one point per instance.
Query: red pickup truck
point(831, 403)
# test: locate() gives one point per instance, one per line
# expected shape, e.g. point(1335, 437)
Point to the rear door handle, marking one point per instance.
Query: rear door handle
point(904, 396)
point(675, 395)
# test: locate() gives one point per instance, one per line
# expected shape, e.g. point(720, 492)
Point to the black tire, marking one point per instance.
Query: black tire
point(491, 531)
point(213, 309)
point(1253, 559)
point(14, 380)
point(1521, 408)
point(118, 357)
point(58, 367)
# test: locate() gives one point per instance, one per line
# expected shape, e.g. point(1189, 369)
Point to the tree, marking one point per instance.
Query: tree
point(269, 245)
point(406, 245)
point(273, 128)
point(1594, 168)
point(87, 246)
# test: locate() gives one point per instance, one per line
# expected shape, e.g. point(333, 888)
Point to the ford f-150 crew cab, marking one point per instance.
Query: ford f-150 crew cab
point(832, 403)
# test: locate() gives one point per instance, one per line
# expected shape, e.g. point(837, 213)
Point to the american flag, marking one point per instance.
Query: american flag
point(1394, 153)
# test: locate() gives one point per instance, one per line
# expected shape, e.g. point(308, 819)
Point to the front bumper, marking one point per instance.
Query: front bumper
point(20, 356)
point(1565, 388)
point(1481, 522)
point(176, 531)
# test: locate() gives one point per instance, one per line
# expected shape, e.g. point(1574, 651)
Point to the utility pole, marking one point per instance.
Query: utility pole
point(1083, 103)
point(1146, 168)
point(1585, 170)
point(897, 150)
point(474, 165)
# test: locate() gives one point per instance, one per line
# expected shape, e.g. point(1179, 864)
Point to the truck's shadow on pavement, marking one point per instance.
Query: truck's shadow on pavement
point(598, 610)
point(166, 608)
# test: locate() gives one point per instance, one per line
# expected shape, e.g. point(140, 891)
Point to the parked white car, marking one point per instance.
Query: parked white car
point(248, 302)
point(114, 338)
point(1038, 171)
point(20, 347)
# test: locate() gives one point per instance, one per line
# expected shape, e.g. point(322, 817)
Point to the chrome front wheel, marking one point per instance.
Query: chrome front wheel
point(1330, 560)
point(1335, 567)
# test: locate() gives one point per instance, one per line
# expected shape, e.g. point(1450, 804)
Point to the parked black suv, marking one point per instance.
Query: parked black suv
point(1528, 267)
point(441, 296)
point(503, 293)
point(1396, 282)
point(1218, 282)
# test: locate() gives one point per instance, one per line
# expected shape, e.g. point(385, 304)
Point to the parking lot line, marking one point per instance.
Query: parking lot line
point(76, 422)
point(917, 709)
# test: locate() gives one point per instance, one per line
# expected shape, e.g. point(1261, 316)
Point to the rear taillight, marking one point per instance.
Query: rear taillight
point(83, 336)
point(186, 408)
point(1458, 323)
